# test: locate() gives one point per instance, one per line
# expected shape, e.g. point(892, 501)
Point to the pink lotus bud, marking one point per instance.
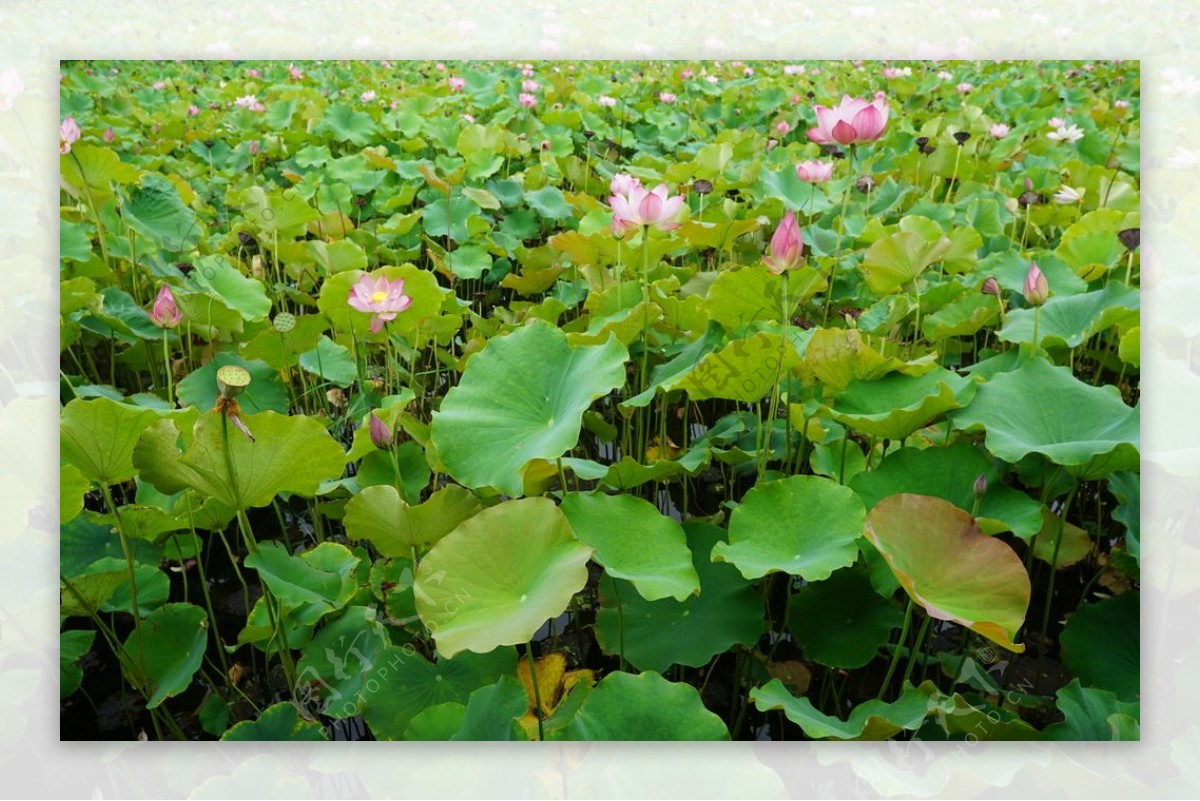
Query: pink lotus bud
point(381, 435)
point(1036, 288)
point(456, 84)
point(980, 487)
point(990, 287)
point(108, 135)
point(782, 127)
point(193, 111)
point(254, 147)
point(787, 245)
point(165, 312)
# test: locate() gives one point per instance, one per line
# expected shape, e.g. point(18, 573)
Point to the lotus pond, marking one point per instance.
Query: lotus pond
point(602, 401)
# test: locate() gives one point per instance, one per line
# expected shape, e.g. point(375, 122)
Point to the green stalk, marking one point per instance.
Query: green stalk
point(137, 609)
point(620, 623)
point(916, 649)
point(1062, 520)
point(167, 367)
point(891, 671)
point(537, 693)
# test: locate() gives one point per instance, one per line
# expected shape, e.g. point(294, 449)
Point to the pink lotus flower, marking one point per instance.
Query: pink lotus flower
point(945, 76)
point(381, 298)
point(255, 147)
point(294, 72)
point(666, 97)
point(440, 67)
point(530, 86)
point(787, 246)
point(623, 183)
point(814, 172)
point(1121, 104)
point(469, 118)
point(193, 111)
point(782, 127)
point(108, 135)
point(852, 121)
point(687, 74)
point(1056, 122)
point(367, 96)
point(527, 100)
point(793, 69)
point(965, 87)
point(712, 79)
point(252, 73)
point(1036, 288)
point(246, 101)
point(68, 132)
point(165, 312)
point(999, 130)
point(606, 101)
point(159, 85)
point(748, 71)
point(527, 72)
point(637, 207)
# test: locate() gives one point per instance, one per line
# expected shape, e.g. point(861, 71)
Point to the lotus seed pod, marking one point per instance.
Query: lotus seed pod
point(284, 322)
point(231, 380)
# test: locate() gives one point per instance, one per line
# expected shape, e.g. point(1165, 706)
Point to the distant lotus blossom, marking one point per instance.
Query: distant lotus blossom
point(456, 84)
point(108, 135)
point(851, 121)
point(246, 101)
point(797, 100)
point(814, 172)
point(748, 71)
point(782, 127)
point(193, 111)
point(772, 143)
point(897, 72)
point(1069, 196)
point(387, 65)
point(528, 85)
point(636, 206)
point(712, 79)
point(469, 118)
point(1056, 122)
point(159, 85)
point(793, 69)
point(381, 298)
point(440, 67)
point(1122, 104)
point(1065, 133)
point(786, 248)
point(527, 100)
point(254, 147)
point(367, 96)
point(295, 72)
point(666, 97)
point(965, 87)
point(945, 76)
point(606, 101)
point(528, 72)
point(68, 132)
point(687, 74)
point(252, 73)
point(165, 312)
point(11, 86)
point(999, 130)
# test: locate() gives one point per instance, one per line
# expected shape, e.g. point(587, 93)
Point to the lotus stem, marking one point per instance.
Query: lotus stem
point(891, 671)
point(537, 693)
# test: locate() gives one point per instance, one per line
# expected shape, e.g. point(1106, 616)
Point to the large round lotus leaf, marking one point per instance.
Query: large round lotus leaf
point(635, 542)
point(950, 567)
point(841, 622)
point(837, 356)
point(279, 722)
point(437, 723)
point(499, 576)
point(803, 525)
point(1101, 645)
point(1092, 714)
point(1071, 320)
point(744, 370)
point(897, 405)
point(377, 514)
point(949, 474)
point(521, 398)
point(743, 296)
point(333, 667)
point(98, 436)
point(167, 648)
point(401, 683)
point(658, 634)
point(289, 454)
point(644, 707)
point(492, 712)
point(420, 285)
point(896, 260)
point(325, 575)
point(872, 720)
point(1087, 429)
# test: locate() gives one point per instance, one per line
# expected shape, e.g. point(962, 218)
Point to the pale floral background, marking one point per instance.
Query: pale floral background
point(34, 35)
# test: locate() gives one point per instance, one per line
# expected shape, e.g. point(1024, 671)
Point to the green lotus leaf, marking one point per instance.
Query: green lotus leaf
point(738, 297)
point(214, 276)
point(976, 719)
point(803, 525)
point(282, 213)
point(1071, 320)
point(949, 474)
point(521, 398)
point(961, 317)
point(330, 361)
point(89, 172)
point(333, 667)
point(98, 436)
point(667, 376)
point(1089, 430)
point(1127, 488)
point(897, 405)
point(155, 210)
point(437, 723)
point(401, 683)
point(1076, 542)
point(323, 575)
point(266, 392)
point(85, 594)
point(289, 454)
point(492, 712)
point(644, 707)
point(499, 576)
point(658, 634)
point(744, 370)
point(166, 650)
point(153, 586)
point(839, 356)
point(72, 645)
point(635, 542)
point(872, 720)
point(896, 260)
point(279, 722)
point(950, 567)
point(346, 124)
point(841, 622)
point(1101, 645)
point(72, 486)
point(377, 514)
point(1093, 714)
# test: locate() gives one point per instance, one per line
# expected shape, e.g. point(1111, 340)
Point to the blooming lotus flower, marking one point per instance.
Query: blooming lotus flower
point(666, 97)
point(367, 96)
point(606, 101)
point(193, 111)
point(456, 84)
point(638, 207)
point(1064, 133)
point(999, 130)
point(1036, 288)
point(68, 132)
point(623, 183)
point(246, 101)
point(165, 312)
point(965, 87)
point(787, 245)
point(381, 298)
point(1056, 122)
point(945, 76)
point(1121, 104)
point(793, 69)
point(252, 73)
point(814, 172)
point(159, 85)
point(295, 72)
point(530, 85)
point(1068, 196)
point(527, 100)
point(381, 435)
point(852, 121)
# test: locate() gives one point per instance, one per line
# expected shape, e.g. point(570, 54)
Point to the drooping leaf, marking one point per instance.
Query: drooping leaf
point(841, 622)
point(98, 436)
point(871, 720)
point(279, 722)
point(644, 707)
point(167, 648)
point(377, 514)
point(897, 405)
point(1093, 714)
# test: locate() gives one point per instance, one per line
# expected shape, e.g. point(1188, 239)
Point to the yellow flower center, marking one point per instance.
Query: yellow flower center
point(379, 297)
